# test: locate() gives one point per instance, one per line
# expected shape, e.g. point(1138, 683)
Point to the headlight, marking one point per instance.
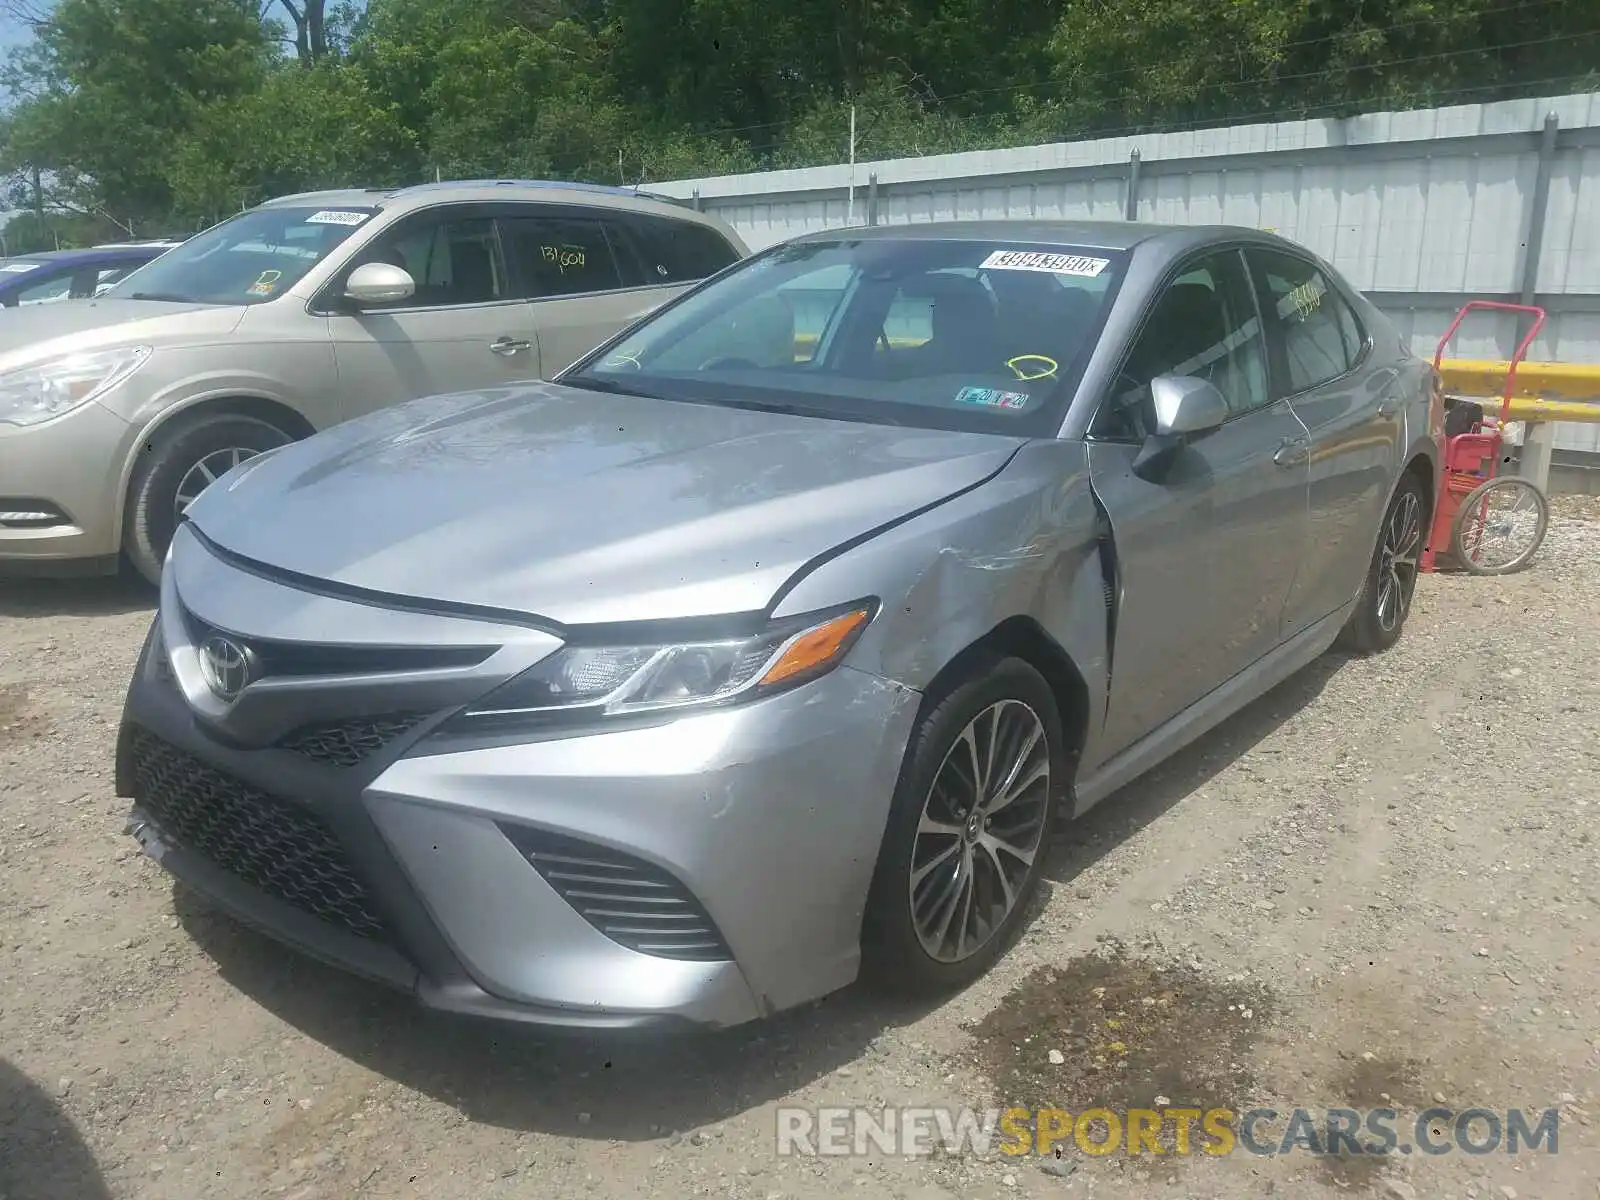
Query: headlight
point(581, 681)
point(49, 389)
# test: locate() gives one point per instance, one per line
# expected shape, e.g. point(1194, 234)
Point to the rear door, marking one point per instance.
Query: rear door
point(1321, 366)
point(1207, 555)
point(588, 272)
point(464, 328)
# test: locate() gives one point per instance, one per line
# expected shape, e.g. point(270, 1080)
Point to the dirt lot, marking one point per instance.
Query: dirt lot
point(1375, 886)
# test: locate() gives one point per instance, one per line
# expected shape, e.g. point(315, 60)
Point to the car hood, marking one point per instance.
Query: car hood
point(74, 326)
point(581, 507)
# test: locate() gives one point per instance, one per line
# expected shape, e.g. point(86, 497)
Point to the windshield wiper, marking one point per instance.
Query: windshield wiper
point(160, 296)
point(590, 383)
point(766, 406)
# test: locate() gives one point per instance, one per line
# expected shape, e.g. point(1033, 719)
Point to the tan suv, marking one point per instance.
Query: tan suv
point(296, 315)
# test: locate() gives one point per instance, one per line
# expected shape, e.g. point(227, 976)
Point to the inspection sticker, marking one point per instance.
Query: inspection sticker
point(331, 216)
point(19, 268)
point(992, 398)
point(1038, 260)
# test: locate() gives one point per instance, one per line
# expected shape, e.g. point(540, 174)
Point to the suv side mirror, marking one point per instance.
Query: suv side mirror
point(379, 283)
point(1185, 407)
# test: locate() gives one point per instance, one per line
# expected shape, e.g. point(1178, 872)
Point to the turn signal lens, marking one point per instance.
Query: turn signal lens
point(817, 649)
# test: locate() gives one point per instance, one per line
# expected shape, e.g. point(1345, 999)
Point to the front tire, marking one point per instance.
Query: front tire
point(967, 832)
point(1385, 600)
point(177, 464)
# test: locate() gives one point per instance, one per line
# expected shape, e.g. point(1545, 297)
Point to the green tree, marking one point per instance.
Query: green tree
point(110, 86)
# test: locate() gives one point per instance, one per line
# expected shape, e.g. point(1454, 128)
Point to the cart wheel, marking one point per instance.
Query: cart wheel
point(1500, 526)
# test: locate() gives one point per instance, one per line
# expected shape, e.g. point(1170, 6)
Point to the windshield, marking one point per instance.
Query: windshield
point(247, 259)
point(987, 336)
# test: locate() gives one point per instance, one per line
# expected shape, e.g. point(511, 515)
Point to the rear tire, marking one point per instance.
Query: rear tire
point(180, 458)
point(1391, 579)
point(1011, 699)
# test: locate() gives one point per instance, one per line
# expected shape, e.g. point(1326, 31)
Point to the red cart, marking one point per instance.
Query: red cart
point(1485, 523)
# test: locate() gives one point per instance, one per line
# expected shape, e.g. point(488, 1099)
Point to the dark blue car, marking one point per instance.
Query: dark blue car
point(53, 275)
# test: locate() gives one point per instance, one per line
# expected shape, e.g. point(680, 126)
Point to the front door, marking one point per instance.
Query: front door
point(463, 328)
point(1207, 555)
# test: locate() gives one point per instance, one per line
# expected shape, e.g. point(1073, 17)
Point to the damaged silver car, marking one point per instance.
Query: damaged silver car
point(761, 648)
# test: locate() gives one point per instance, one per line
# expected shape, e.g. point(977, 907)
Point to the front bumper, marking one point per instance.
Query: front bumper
point(69, 469)
point(765, 820)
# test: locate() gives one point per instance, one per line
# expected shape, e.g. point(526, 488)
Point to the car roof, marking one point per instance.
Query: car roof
point(1099, 235)
point(56, 258)
point(547, 191)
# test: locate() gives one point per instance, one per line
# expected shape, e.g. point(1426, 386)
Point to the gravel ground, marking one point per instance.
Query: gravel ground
point(1375, 886)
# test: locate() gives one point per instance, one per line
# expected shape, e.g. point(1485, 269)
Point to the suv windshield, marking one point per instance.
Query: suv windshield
point(987, 336)
point(246, 259)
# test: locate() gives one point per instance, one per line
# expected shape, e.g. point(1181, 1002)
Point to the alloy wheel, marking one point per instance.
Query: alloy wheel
point(1397, 566)
point(206, 472)
point(982, 825)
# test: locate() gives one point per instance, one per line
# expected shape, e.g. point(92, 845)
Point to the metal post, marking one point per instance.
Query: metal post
point(695, 199)
point(872, 198)
point(1130, 206)
point(1538, 439)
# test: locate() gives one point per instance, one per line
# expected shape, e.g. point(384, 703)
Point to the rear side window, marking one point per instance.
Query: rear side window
point(1318, 333)
point(51, 290)
point(679, 251)
point(561, 256)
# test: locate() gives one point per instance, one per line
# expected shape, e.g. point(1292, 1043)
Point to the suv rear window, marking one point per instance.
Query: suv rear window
point(679, 251)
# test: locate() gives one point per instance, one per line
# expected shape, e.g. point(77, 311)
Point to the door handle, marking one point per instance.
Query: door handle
point(506, 346)
point(1292, 451)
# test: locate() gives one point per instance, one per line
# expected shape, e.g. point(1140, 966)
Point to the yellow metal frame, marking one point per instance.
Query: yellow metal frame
point(1544, 391)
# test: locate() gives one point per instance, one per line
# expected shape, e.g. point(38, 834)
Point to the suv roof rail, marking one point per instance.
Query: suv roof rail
point(608, 189)
point(339, 194)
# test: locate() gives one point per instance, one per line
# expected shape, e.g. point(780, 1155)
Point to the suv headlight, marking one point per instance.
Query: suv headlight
point(48, 389)
point(581, 682)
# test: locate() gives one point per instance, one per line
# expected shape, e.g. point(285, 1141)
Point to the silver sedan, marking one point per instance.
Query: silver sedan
point(761, 648)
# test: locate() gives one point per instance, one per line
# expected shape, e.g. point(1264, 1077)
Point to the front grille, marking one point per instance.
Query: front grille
point(276, 847)
point(634, 903)
point(279, 658)
point(347, 743)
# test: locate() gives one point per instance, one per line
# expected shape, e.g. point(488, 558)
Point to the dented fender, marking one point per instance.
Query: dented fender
point(1026, 543)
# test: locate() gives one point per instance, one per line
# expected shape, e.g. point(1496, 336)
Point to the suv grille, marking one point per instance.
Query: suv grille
point(634, 903)
point(272, 845)
point(347, 743)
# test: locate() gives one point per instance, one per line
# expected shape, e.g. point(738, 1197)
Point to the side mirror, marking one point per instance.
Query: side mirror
point(379, 283)
point(1184, 407)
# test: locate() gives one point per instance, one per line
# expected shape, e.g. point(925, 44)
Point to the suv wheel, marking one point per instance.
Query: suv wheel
point(177, 465)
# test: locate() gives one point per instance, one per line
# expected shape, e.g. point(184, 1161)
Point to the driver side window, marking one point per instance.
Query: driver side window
point(1204, 324)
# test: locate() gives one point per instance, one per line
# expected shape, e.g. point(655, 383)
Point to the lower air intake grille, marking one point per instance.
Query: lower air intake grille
point(272, 845)
point(634, 903)
point(347, 743)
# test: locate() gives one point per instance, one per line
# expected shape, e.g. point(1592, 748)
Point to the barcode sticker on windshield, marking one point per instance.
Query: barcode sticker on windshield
point(334, 217)
point(1038, 260)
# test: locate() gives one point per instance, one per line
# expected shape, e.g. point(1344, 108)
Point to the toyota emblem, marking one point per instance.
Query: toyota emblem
point(226, 666)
